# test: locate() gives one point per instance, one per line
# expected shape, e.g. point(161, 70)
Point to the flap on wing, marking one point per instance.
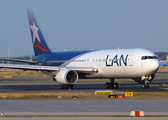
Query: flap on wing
point(163, 63)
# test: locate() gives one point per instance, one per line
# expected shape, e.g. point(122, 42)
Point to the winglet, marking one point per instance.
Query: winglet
point(39, 44)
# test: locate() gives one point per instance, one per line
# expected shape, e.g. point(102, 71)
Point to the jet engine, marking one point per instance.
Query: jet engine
point(67, 76)
point(141, 79)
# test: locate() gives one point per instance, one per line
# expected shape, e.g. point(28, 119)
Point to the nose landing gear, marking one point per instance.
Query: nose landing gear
point(146, 83)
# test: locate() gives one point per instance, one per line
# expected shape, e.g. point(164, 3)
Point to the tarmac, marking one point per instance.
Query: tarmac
point(78, 88)
point(85, 118)
point(83, 107)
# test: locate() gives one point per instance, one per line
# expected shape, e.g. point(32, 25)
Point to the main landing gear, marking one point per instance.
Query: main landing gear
point(146, 83)
point(111, 85)
point(63, 86)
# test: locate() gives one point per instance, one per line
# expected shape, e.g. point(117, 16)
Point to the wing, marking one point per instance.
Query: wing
point(23, 61)
point(162, 63)
point(29, 67)
point(86, 70)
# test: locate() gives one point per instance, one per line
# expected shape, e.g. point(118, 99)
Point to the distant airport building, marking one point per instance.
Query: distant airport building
point(167, 57)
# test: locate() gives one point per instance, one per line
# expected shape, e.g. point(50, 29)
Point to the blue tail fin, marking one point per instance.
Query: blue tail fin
point(38, 40)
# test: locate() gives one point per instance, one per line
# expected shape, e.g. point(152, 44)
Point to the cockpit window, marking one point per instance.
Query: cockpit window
point(148, 57)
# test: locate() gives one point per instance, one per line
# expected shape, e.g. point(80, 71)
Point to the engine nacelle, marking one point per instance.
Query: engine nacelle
point(67, 76)
point(140, 79)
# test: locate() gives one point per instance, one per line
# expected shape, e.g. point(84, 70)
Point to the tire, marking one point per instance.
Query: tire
point(111, 85)
point(147, 85)
point(62, 86)
point(107, 85)
point(65, 86)
point(143, 86)
point(116, 85)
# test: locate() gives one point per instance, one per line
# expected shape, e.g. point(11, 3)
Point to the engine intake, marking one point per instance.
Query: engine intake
point(67, 76)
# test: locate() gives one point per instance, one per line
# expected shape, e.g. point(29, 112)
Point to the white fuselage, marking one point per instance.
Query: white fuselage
point(118, 63)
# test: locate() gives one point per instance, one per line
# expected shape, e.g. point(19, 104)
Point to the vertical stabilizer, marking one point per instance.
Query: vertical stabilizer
point(38, 40)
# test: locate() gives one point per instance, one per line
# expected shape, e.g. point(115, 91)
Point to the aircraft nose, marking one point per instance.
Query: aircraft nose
point(154, 65)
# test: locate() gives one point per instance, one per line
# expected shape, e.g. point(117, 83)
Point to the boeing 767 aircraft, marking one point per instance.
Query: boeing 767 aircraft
point(68, 66)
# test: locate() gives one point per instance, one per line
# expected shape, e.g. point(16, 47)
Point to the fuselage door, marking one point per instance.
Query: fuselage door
point(86, 61)
point(131, 60)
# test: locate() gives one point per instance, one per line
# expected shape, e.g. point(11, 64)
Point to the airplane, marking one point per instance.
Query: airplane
point(67, 67)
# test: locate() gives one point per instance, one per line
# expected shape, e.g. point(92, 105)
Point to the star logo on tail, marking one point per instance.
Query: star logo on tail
point(35, 32)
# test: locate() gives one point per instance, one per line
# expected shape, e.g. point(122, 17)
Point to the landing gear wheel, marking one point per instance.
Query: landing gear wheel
point(145, 85)
point(116, 85)
point(107, 85)
point(111, 85)
point(67, 86)
point(63, 86)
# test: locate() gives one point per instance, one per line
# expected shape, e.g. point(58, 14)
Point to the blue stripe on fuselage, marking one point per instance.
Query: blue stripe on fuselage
point(58, 58)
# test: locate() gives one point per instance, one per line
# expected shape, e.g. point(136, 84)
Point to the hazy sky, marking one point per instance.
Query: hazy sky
point(85, 24)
